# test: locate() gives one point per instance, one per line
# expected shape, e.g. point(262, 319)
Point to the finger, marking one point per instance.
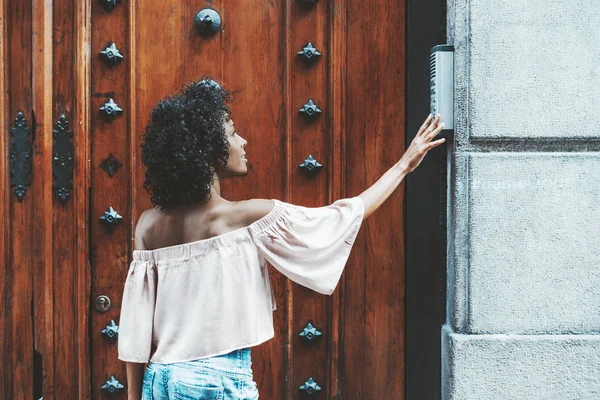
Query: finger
point(436, 122)
point(433, 125)
point(436, 142)
point(435, 132)
point(425, 125)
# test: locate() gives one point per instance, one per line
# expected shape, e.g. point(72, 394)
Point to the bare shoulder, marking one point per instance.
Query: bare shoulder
point(141, 227)
point(252, 210)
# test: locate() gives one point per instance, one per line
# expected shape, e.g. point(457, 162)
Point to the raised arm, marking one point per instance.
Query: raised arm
point(375, 195)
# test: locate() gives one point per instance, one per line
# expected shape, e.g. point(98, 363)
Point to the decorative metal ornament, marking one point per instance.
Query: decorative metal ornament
point(109, 4)
point(308, 4)
point(310, 109)
point(208, 22)
point(310, 333)
point(110, 165)
point(310, 386)
point(111, 54)
point(110, 109)
point(20, 156)
point(309, 53)
point(111, 332)
point(111, 218)
point(310, 165)
point(112, 386)
point(102, 303)
point(62, 159)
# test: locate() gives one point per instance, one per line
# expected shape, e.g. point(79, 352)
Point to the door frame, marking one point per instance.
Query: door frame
point(426, 187)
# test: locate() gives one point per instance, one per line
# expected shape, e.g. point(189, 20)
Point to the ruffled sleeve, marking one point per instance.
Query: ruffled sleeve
point(137, 312)
point(311, 245)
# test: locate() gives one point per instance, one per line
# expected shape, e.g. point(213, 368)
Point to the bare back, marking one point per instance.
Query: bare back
point(157, 229)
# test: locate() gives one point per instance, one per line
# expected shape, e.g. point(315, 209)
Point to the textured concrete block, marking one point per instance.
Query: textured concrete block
point(526, 69)
point(524, 243)
point(523, 225)
point(536, 367)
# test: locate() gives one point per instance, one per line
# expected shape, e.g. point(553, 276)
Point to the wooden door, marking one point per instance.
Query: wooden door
point(65, 250)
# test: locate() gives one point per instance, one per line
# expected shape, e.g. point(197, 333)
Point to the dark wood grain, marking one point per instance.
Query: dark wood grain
point(20, 227)
point(373, 320)
point(309, 137)
point(82, 20)
point(5, 120)
point(254, 64)
point(63, 216)
point(336, 70)
point(108, 250)
point(58, 257)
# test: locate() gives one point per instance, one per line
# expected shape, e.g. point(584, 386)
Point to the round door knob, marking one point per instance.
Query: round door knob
point(102, 303)
point(208, 21)
point(310, 333)
point(310, 387)
point(112, 386)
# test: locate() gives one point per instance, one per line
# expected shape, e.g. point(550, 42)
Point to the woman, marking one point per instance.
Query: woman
point(197, 294)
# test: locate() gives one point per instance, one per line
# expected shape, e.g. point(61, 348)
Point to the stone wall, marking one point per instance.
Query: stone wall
point(524, 201)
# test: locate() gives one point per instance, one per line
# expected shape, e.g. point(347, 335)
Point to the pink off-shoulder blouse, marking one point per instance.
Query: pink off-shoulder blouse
point(213, 296)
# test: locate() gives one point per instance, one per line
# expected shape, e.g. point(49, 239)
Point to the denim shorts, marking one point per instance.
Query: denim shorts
point(227, 377)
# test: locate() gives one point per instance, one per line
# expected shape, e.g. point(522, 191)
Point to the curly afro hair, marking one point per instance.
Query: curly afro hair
point(185, 143)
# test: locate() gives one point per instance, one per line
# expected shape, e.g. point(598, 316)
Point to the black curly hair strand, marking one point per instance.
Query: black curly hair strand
point(185, 143)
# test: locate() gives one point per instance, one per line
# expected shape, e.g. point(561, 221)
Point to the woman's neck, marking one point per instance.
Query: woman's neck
point(215, 189)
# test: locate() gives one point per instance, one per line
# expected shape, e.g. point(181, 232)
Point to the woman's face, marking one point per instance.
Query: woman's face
point(236, 165)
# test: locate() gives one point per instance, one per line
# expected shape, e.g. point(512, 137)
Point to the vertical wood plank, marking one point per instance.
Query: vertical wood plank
point(43, 274)
point(109, 249)
point(254, 65)
point(23, 236)
point(68, 345)
point(310, 136)
point(82, 179)
point(5, 121)
point(336, 70)
point(289, 163)
point(373, 321)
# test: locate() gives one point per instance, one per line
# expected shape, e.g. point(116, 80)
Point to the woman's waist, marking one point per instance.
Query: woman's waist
point(238, 361)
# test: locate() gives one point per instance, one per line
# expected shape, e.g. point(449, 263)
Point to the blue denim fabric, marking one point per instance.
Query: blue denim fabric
point(224, 377)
